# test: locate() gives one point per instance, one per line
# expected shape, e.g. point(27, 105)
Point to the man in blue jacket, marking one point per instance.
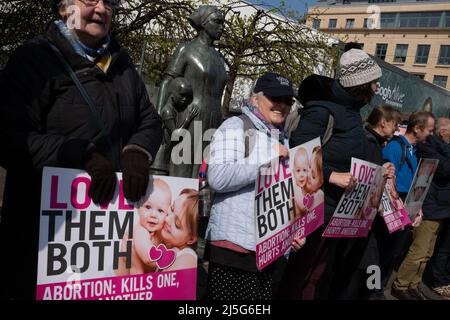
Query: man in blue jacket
point(420, 126)
point(436, 207)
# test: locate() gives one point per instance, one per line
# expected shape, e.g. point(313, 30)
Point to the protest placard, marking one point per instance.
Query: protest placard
point(117, 251)
point(357, 208)
point(420, 185)
point(288, 201)
point(394, 212)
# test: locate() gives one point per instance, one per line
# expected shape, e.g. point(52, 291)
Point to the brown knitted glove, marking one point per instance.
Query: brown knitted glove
point(103, 178)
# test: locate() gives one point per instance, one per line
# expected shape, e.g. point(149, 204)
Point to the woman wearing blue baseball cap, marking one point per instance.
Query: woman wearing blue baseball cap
point(232, 171)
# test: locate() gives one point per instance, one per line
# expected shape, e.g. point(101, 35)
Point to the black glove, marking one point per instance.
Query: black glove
point(135, 174)
point(103, 178)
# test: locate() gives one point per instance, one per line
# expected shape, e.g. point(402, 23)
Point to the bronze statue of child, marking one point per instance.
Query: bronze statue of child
point(180, 97)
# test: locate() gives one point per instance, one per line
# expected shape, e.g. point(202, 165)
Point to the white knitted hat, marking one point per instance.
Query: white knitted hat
point(357, 68)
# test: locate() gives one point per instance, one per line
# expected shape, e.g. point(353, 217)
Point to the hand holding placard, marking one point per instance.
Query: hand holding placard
point(344, 180)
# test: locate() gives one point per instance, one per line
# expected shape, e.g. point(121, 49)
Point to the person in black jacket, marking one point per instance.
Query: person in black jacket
point(307, 275)
point(439, 268)
point(435, 208)
point(45, 121)
point(381, 124)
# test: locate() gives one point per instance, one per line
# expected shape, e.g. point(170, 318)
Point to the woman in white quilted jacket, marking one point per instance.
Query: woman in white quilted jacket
point(232, 172)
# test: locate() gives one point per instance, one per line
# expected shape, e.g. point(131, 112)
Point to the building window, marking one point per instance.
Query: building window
point(440, 81)
point(400, 53)
point(380, 51)
point(349, 24)
point(423, 50)
point(430, 19)
point(420, 19)
point(387, 20)
point(444, 55)
point(367, 23)
point(316, 23)
point(419, 75)
point(332, 23)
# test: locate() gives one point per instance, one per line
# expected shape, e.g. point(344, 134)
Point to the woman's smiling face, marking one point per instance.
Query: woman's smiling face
point(94, 21)
point(274, 110)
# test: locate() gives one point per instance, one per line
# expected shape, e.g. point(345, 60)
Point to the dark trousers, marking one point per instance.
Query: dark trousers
point(347, 274)
point(306, 275)
point(355, 255)
point(350, 265)
point(394, 248)
point(440, 264)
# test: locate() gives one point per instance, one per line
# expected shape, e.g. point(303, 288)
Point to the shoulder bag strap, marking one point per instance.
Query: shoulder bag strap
point(88, 100)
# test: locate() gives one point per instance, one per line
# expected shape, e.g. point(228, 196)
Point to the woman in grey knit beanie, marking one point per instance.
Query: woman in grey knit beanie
point(358, 74)
point(319, 270)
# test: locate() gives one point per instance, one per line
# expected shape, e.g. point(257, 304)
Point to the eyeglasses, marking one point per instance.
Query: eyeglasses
point(112, 4)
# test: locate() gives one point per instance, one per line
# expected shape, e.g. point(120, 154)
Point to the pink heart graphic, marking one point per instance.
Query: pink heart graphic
point(155, 254)
point(308, 201)
point(367, 212)
point(167, 259)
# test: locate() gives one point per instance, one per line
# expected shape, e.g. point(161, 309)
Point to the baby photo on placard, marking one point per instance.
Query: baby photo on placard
point(120, 250)
point(307, 170)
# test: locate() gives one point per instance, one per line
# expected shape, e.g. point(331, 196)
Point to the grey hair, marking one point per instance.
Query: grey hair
point(65, 3)
point(441, 123)
point(62, 4)
point(256, 95)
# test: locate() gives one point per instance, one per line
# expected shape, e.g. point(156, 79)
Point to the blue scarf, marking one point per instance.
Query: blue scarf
point(81, 49)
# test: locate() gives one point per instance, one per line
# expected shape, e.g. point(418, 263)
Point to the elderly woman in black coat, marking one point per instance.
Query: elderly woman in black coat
point(47, 121)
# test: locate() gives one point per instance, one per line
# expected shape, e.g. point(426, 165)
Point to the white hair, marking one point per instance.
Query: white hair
point(442, 123)
point(64, 4)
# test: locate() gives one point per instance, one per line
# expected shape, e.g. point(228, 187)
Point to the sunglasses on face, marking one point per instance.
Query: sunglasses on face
point(112, 4)
point(286, 100)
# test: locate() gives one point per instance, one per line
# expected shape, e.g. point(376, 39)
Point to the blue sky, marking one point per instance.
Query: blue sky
point(298, 5)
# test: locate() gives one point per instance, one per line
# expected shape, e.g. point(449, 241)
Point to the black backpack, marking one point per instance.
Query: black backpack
point(293, 120)
point(404, 156)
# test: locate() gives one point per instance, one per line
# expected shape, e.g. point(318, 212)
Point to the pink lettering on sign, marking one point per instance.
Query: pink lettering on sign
point(258, 184)
point(54, 204)
point(267, 180)
point(286, 169)
point(85, 201)
point(74, 193)
point(364, 175)
point(123, 205)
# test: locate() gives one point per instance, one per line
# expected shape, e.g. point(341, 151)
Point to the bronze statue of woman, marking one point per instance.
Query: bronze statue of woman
point(203, 67)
